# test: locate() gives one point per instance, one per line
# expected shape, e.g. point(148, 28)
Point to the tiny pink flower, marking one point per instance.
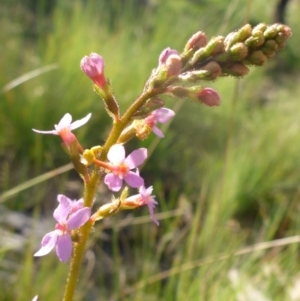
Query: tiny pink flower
point(209, 97)
point(93, 67)
point(170, 60)
point(74, 205)
point(144, 198)
point(161, 115)
point(166, 53)
point(121, 167)
point(61, 236)
point(64, 128)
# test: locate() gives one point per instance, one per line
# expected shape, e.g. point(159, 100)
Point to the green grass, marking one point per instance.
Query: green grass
point(225, 178)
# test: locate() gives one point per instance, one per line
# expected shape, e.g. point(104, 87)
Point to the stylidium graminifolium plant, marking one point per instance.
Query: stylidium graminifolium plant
point(180, 75)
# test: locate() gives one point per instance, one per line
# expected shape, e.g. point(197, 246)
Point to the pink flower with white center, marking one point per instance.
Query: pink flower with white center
point(161, 115)
point(61, 236)
point(93, 67)
point(121, 167)
point(65, 126)
point(143, 198)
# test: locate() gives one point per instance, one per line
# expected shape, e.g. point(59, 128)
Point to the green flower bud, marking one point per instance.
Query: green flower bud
point(256, 40)
point(238, 51)
point(257, 58)
point(215, 46)
point(271, 31)
point(261, 27)
point(236, 69)
point(269, 48)
point(200, 55)
point(239, 36)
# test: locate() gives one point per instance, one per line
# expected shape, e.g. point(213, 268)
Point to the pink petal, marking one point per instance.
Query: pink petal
point(53, 132)
point(78, 123)
point(151, 211)
point(165, 54)
point(113, 182)
point(61, 197)
point(116, 154)
point(162, 115)
point(63, 210)
point(64, 122)
point(48, 243)
point(79, 218)
point(136, 158)
point(157, 132)
point(64, 247)
point(134, 180)
point(145, 192)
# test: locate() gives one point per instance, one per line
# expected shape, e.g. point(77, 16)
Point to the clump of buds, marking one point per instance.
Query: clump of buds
point(246, 47)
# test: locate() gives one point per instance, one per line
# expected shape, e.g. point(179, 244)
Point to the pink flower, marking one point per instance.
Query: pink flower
point(61, 236)
point(166, 53)
point(161, 115)
point(64, 128)
point(93, 67)
point(143, 198)
point(209, 97)
point(121, 166)
point(74, 205)
point(170, 60)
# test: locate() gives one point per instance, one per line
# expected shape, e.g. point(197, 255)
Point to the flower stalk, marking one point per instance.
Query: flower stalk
point(179, 75)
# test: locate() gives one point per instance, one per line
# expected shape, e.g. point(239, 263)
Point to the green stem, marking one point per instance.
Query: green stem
point(78, 250)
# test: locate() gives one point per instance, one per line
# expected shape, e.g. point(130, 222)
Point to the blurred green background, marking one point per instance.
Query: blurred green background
point(225, 178)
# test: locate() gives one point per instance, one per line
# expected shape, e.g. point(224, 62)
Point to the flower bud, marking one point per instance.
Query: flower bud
point(269, 48)
point(209, 97)
point(210, 71)
point(283, 34)
point(106, 210)
point(93, 67)
point(179, 91)
point(165, 54)
point(238, 36)
point(238, 51)
point(256, 40)
point(197, 41)
point(271, 31)
point(261, 27)
point(169, 64)
point(236, 69)
point(215, 46)
point(214, 70)
point(173, 65)
point(257, 58)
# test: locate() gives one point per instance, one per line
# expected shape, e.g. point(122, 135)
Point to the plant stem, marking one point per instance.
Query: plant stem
point(78, 250)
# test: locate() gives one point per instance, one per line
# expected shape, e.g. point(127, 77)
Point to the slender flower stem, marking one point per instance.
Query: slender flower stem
point(78, 251)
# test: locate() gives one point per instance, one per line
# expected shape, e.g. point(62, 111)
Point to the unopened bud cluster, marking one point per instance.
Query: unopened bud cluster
point(232, 54)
